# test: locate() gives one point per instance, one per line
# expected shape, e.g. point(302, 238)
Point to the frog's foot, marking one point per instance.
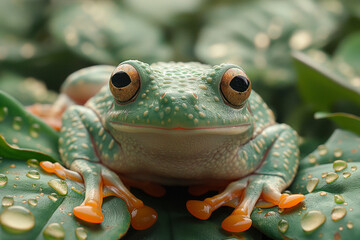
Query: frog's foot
point(153, 189)
point(44, 111)
point(245, 193)
point(95, 177)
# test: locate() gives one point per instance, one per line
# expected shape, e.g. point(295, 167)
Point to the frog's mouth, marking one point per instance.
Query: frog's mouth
point(222, 130)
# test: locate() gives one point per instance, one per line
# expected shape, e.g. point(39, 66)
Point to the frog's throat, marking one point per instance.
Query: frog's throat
point(216, 130)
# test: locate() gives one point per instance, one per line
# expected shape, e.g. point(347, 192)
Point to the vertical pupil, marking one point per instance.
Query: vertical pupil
point(239, 84)
point(120, 79)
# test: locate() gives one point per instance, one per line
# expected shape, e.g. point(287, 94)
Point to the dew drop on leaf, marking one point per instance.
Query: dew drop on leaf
point(33, 174)
point(338, 198)
point(7, 201)
point(346, 174)
point(3, 180)
point(311, 184)
point(59, 185)
point(3, 113)
point(34, 130)
point(283, 226)
point(17, 219)
point(54, 231)
point(338, 213)
point(353, 168)
point(338, 152)
point(33, 202)
point(33, 163)
point(339, 165)
point(17, 123)
point(331, 177)
point(53, 197)
point(322, 150)
point(312, 220)
point(81, 233)
point(349, 225)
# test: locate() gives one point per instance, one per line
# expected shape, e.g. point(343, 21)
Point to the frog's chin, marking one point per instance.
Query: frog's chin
point(216, 130)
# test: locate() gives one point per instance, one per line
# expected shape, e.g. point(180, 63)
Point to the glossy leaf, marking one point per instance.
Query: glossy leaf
point(48, 207)
point(21, 130)
point(329, 179)
point(321, 87)
point(105, 33)
point(258, 35)
point(344, 120)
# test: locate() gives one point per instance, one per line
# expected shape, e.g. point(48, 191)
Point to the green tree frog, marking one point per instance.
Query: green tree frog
point(174, 124)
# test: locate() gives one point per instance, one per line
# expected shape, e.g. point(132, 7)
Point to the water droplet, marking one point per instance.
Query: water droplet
point(59, 185)
point(7, 201)
point(323, 193)
point(338, 152)
point(33, 163)
point(338, 213)
point(312, 220)
point(17, 178)
point(13, 166)
point(339, 165)
point(338, 198)
point(34, 130)
point(331, 177)
point(17, 219)
point(324, 174)
point(33, 174)
point(53, 197)
point(283, 226)
point(75, 190)
point(281, 210)
point(3, 180)
point(54, 231)
point(312, 158)
point(81, 233)
point(34, 185)
point(3, 113)
point(33, 202)
point(311, 184)
point(353, 168)
point(322, 150)
point(350, 225)
point(270, 213)
point(17, 123)
point(346, 174)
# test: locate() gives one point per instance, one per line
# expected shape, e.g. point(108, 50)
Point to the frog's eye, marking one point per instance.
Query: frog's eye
point(235, 87)
point(124, 83)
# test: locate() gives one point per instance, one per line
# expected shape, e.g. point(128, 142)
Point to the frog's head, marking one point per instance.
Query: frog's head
point(180, 98)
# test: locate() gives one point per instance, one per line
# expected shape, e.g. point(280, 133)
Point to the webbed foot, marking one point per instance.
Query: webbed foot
point(243, 195)
point(99, 183)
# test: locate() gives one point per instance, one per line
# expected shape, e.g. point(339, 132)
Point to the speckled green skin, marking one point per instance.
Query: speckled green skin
point(179, 131)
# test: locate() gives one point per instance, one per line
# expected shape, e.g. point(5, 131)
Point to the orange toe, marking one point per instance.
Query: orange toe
point(89, 213)
point(199, 209)
point(291, 200)
point(48, 166)
point(236, 223)
point(143, 218)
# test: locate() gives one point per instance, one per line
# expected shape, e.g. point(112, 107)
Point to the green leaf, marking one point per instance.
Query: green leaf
point(27, 91)
point(176, 223)
point(321, 87)
point(23, 132)
point(323, 165)
point(105, 33)
point(258, 35)
point(344, 120)
point(53, 208)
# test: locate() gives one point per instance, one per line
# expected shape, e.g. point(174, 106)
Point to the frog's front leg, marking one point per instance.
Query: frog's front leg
point(277, 146)
point(81, 141)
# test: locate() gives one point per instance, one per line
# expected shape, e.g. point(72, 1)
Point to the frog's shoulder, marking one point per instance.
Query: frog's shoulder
point(262, 114)
point(101, 102)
